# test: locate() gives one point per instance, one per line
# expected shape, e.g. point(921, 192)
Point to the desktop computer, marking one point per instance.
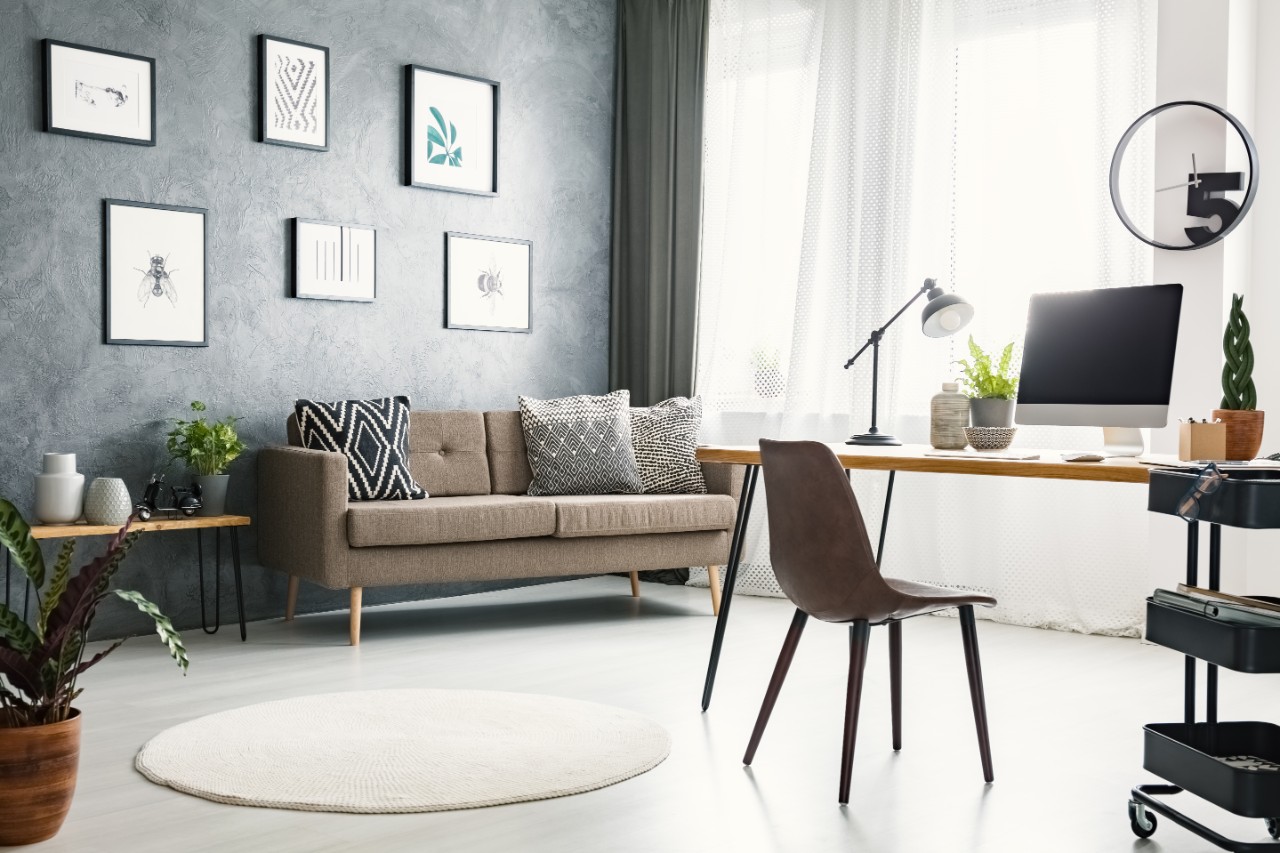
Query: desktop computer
point(1101, 358)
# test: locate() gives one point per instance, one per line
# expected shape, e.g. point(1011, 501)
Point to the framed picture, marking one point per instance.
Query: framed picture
point(451, 131)
point(99, 94)
point(333, 260)
point(293, 93)
point(487, 282)
point(154, 268)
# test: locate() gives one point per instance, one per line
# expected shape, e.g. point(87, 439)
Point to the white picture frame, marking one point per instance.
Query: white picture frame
point(451, 131)
point(99, 94)
point(293, 93)
point(334, 260)
point(488, 283)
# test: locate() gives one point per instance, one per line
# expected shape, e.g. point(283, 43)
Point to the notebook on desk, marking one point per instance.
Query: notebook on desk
point(983, 454)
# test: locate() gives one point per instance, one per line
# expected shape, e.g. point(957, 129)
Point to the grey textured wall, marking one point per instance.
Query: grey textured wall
point(63, 390)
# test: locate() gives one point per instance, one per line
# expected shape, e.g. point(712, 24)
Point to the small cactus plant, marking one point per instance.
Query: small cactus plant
point(1238, 392)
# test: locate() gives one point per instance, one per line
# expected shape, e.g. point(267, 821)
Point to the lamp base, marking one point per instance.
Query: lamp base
point(874, 439)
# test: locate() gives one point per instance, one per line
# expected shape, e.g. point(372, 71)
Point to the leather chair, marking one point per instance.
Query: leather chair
point(823, 561)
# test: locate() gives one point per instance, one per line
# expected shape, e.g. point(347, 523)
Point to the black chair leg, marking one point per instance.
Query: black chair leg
point(895, 681)
point(970, 633)
point(775, 683)
point(859, 639)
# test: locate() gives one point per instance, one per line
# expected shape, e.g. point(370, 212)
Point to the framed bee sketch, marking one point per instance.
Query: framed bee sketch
point(487, 283)
point(99, 94)
point(293, 93)
point(334, 260)
point(154, 271)
point(451, 131)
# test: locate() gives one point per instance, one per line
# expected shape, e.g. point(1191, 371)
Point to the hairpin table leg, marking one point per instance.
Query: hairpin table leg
point(217, 581)
point(730, 578)
point(235, 562)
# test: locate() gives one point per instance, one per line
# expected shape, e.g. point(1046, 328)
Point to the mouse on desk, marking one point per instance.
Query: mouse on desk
point(1085, 456)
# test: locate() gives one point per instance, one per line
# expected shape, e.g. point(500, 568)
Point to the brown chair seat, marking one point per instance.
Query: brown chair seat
point(920, 598)
point(435, 521)
point(627, 515)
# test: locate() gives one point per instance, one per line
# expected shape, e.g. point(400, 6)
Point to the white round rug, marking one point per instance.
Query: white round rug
point(384, 751)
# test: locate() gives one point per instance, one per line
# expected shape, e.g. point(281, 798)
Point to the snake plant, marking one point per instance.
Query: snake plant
point(1237, 372)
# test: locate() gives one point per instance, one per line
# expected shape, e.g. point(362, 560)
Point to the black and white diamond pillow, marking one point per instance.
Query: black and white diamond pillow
point(665, 439)
point(374, 436)
point(580, 445)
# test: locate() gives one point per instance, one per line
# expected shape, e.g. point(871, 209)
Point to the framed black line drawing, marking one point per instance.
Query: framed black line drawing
point(334, 260)
point(451, 131)
point(154, 274)
point(487, 283)
point(293, 93)
point(99, 94)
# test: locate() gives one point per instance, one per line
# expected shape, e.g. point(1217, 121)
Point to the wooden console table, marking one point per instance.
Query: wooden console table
point(159, 525)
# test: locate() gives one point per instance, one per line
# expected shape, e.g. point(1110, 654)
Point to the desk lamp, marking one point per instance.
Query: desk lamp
point(944, 314)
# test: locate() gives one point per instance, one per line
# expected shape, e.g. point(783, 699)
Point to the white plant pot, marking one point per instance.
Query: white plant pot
point(59, 490)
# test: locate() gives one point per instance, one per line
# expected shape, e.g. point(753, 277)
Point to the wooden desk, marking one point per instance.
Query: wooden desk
point(159, 525)
point(910, 457)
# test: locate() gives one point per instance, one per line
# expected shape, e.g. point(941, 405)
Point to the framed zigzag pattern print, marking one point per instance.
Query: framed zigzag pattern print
point(293, 93)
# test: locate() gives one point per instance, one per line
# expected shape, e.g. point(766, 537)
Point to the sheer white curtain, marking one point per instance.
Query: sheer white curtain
point(854, 149)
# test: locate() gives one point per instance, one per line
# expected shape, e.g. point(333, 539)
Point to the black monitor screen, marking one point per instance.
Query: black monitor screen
point(1108, 347)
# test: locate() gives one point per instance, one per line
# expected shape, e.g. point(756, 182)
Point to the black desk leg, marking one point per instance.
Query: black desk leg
point(1189, 666)
point(235, 562)
point(730, 578)
point(884, 518)
point(217, 580)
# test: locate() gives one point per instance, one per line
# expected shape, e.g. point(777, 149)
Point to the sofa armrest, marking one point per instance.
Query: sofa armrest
point(723, 479)
point(302, 514)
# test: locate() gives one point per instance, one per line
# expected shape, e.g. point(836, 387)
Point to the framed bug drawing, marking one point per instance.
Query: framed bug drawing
point(154, 271)
point(451, 131)
point(99, 94)
point(487, 283)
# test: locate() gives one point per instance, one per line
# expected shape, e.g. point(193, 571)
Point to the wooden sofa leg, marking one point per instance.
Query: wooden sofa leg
point(635, 584)
point(356, 594)
point(291, 603)
point(713, 580)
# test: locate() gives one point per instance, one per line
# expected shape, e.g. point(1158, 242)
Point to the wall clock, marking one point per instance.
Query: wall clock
point(1212, 196)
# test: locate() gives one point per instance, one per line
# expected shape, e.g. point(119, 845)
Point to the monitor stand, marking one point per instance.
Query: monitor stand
point(1122, 441)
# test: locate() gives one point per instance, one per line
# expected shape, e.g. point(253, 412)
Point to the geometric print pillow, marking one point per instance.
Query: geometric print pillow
point(665, 438)
point(373, 434)
point(580, 445)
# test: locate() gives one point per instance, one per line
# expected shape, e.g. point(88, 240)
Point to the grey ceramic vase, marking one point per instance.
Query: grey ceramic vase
point(213, 494)
point(107, 502)
point(991, 412)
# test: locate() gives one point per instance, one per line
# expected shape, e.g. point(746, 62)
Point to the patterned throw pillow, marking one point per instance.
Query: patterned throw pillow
point(374, 435)
point(665, 438)
point(580, 445)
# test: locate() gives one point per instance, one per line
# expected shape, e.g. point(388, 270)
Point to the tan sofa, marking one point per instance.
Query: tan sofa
point(478, 524)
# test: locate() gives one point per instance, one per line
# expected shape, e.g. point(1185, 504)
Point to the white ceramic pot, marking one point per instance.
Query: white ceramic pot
point(59, 490)
point(107, 502)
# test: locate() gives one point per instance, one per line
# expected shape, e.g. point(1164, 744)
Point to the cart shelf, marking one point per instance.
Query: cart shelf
point(1243, 648)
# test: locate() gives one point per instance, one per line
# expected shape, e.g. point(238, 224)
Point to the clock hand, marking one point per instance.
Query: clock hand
point(1178, 186)
point(1195, 173)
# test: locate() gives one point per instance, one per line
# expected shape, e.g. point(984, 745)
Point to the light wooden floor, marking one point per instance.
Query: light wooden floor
point(1066, 714)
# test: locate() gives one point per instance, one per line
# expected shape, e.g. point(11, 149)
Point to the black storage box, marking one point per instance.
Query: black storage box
point(1189, 757)
point(1249, 497)
point(1243, 648)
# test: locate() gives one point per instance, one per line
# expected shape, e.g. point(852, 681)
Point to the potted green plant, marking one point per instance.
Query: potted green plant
point(207, 447)
point(992, 385)
point(1239, 409)
point(40, 662)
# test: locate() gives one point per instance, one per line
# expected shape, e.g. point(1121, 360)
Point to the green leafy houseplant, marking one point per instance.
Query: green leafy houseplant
point(40, 662)
point(1238, 393)
point(207, 447)
point(986, 377)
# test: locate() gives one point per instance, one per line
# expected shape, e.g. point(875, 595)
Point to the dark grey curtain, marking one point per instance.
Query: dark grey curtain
point(657, 196)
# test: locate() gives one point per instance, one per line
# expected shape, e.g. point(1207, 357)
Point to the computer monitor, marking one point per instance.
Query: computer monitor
point(1101, 358)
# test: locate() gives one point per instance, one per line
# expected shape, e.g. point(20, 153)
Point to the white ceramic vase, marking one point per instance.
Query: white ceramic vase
point(59, 490)
point(107, 502)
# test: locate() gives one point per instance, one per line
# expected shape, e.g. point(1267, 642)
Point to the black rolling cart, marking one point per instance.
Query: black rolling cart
point(1234, 765)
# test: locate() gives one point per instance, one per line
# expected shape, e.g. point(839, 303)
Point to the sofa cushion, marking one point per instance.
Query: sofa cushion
point(465, 518)
point(628, 515)
point(373, 434)
point(580, 445)
point(509, 471)
point(447, 452)
point(665, 439)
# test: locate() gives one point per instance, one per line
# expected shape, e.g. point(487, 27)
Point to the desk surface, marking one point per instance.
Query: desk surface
point(911, 457)
point(80, 528)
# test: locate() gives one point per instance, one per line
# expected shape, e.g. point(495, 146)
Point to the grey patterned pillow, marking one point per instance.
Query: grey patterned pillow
point(665, 438)
point(580, 445)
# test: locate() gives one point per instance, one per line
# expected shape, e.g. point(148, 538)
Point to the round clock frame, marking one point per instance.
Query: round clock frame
point(1251, 150)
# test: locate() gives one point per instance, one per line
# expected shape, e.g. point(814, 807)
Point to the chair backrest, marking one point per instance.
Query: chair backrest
point(819, 547)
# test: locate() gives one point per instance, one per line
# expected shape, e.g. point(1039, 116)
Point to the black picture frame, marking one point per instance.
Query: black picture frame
point(449, 323)
point(108, 284)
point(49, 120)
point(264, 93)
point(296, 264)
point(411, 130)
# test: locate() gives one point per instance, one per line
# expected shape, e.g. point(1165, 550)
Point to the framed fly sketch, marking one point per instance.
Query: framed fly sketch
point(451, 131)
point(154, 270)
point(99, 94)
point(293, 93)
point(334, 260)
point(487, 283)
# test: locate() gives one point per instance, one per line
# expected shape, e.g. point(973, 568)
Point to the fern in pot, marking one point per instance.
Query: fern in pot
point(991, 383)
point(207, 448)
point(41, 661)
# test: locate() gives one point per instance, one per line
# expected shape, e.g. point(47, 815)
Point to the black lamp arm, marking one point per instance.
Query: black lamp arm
point(878, 334)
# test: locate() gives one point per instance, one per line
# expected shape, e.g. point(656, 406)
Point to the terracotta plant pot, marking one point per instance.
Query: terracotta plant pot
point(1244, 431)
point(37, 779)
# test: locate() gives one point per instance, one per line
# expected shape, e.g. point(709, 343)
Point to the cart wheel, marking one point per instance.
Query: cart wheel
point(1143, 821)
point(1273, 827)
